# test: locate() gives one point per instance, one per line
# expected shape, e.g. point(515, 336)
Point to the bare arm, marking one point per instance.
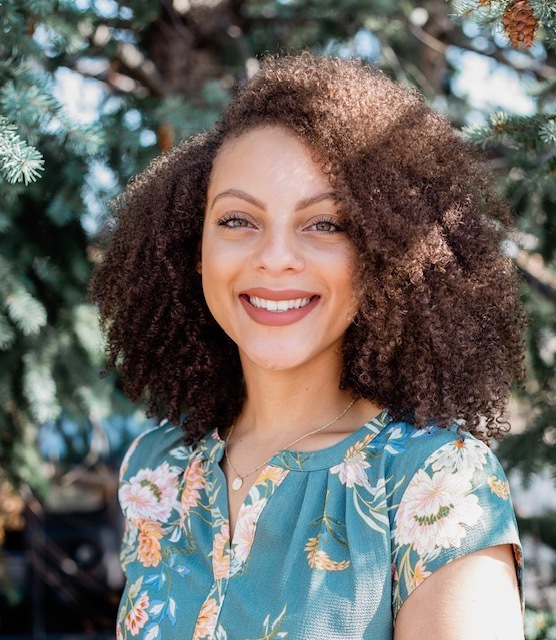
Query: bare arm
point(472, 598)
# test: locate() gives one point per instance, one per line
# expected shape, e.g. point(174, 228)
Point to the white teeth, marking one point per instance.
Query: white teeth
point(278, 306)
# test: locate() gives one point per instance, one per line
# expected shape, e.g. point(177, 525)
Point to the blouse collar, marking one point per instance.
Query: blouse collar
point(211, 447)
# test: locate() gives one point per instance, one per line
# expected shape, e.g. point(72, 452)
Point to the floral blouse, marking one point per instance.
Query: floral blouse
point(328, 544)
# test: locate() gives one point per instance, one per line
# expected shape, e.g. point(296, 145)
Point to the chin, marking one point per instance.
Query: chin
point(278, 364)
point(281, 361)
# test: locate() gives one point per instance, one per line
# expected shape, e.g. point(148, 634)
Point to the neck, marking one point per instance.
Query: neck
point(283, 405)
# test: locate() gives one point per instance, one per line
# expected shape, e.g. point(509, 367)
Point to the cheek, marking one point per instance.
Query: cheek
point(210, 281)
point(216, 280)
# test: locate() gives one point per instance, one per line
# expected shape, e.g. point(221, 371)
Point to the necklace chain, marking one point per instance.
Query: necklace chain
point(237, 483)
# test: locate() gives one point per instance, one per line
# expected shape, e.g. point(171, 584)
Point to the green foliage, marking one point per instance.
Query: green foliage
point(525, 133)
point(539, 625)
point(19, 162)
point(49, 343)
point(525, 147)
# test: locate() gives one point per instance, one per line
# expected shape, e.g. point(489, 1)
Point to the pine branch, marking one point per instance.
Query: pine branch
point(27, 313)
point(7, 333)
point(455, 38)
point(541, 287)
point(28, 105)
point(133, 64)
point(39, 387)
point(532, 133)
point(542, 282)
point(19, 162)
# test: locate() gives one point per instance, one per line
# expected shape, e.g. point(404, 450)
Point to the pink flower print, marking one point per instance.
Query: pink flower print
point(394, 572)
point(433, 511)
point(194, 481)
point(150, 533)
point(137, 617)
point(419, 574)
point(319, 559)
point(274, 475)
point(119, 634)
point(221, 553)
point(150, 494)
point(206, 622)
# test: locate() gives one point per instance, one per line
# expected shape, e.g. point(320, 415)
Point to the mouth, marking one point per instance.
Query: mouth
point(278, 306)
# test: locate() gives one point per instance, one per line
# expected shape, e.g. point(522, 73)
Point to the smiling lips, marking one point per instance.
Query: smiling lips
point(278, 308)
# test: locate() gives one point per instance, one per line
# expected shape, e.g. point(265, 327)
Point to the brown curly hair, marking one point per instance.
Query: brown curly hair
point(438, 334)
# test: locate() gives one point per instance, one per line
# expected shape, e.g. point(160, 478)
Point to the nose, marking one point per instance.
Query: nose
point(278, 250)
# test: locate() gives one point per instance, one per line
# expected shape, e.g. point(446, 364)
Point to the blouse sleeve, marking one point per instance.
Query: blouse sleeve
point(455, 503)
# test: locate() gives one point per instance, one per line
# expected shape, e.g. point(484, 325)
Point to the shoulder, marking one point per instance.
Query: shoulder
point(406, 450)
point(440, 473)
point(448, 498)
point(162, 444)
point(152, 472)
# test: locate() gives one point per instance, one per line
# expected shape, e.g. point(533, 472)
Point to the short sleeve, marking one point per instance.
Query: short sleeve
point(150, 476)
point(455, 503)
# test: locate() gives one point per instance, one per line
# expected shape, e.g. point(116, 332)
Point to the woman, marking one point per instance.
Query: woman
point(317, 285)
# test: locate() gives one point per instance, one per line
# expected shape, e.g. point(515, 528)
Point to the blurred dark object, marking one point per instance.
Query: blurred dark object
point(61, 568)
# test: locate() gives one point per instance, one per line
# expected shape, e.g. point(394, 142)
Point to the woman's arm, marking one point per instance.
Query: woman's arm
point(474, 597)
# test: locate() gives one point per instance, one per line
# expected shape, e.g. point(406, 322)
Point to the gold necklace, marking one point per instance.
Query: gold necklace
point(238, 482)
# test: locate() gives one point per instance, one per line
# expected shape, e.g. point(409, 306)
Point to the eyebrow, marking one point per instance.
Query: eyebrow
point(237, 193)
point(243, 195)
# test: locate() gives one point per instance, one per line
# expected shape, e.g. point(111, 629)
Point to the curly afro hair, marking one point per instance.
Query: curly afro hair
point(438, 334)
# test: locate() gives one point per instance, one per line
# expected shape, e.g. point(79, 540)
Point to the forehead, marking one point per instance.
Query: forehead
point(267, 154)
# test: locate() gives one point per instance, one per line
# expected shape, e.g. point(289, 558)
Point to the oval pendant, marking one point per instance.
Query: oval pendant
point(236, 484)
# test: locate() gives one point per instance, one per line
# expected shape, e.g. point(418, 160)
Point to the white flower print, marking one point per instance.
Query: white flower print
point(150, 494)
point(244, 533)
point(433, 511)
point(352, 471)
point(458, 456)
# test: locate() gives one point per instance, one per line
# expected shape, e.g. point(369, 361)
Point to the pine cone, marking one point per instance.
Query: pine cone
point(520, 23)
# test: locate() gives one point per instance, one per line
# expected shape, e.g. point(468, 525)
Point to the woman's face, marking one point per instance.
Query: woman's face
point(276, 264)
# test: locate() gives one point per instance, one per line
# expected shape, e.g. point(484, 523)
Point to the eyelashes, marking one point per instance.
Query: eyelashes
point(321, 224)
point(234, 220)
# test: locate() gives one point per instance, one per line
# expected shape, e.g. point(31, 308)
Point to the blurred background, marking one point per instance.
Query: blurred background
point(90, 92)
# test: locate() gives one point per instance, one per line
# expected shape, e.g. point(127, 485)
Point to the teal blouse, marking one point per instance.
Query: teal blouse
point(328, 544)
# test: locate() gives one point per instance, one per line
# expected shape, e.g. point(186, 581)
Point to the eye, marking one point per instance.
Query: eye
point(234, 221)
point(326, 225)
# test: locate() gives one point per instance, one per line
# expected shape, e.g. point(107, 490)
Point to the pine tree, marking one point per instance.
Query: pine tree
point(49, 344)
point(525, 146)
